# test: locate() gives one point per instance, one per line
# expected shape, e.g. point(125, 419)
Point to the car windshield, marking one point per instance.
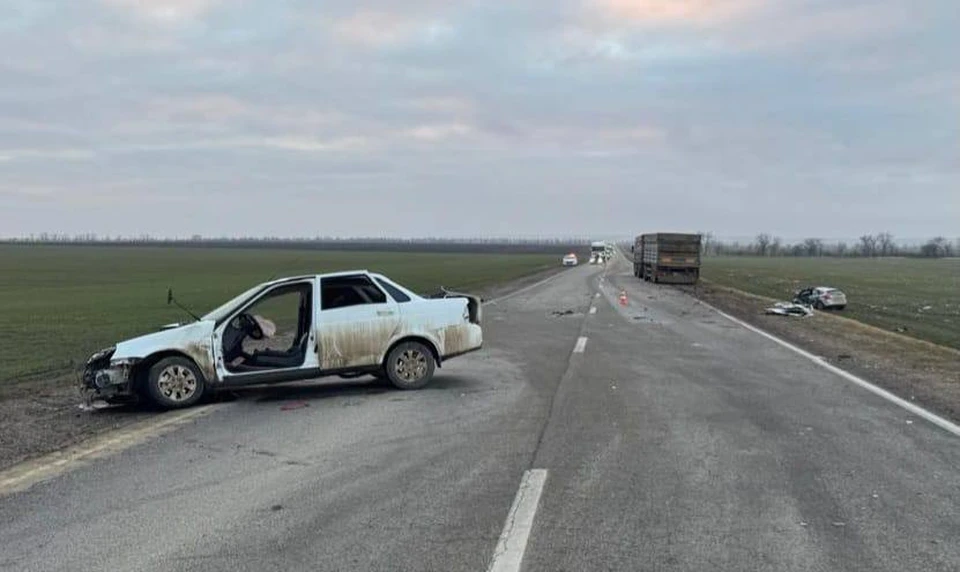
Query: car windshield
point(224, 309)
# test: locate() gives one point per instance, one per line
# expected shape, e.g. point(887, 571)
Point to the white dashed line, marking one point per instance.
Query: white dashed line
point(593, 309)
point(516, 532)
point(581, 345)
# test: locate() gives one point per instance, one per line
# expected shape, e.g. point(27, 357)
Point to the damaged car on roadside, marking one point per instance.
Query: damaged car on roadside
point(298, 328)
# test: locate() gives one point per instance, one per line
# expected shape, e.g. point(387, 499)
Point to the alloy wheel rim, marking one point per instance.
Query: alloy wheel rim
point(177, 383)
point(411, 365)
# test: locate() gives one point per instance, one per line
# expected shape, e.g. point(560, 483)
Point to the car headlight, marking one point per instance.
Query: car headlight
point(124, 362)
point(105, 353)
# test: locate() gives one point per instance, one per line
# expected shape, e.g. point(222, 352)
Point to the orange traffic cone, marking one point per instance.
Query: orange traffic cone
point(623, 297)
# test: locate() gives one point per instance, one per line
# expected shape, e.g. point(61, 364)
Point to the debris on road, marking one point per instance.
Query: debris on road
point(294, 405)
point(562, 312)
point(789, 309)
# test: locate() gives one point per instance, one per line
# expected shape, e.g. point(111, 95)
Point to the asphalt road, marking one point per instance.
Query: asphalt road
point(671, 439)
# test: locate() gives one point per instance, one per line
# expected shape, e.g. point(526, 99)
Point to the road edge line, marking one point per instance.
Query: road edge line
point(23, 476)
point(508, 556)
point(944, 424)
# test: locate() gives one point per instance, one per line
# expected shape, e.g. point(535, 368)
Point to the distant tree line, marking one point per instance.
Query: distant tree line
point(868, 246)
point(383, 244)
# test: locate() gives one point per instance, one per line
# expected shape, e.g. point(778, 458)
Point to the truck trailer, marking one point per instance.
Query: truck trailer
point(669, 258)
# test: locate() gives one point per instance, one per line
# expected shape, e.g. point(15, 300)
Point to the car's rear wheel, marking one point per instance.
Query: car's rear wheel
point(410, 365)
point(818, 305)
point(175, 382)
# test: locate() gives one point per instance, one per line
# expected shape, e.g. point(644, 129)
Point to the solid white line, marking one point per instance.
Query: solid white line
point(516, 531)
point(915, 409)
point(581, 345)
point(593, 309)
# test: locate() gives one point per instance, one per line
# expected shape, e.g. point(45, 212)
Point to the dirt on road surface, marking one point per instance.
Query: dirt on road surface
point(41, 416)
point(915, 370)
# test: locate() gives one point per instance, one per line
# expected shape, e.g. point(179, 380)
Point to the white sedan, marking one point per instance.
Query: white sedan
point(304, 327)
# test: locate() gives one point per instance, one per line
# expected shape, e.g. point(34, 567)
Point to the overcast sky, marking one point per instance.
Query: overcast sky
point(801, 118)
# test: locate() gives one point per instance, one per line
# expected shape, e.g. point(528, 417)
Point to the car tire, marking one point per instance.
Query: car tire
point(818, 305)
point(410, 365)
point(174, 383)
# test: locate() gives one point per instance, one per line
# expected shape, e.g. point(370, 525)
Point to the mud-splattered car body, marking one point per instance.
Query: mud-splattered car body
point(346, 323)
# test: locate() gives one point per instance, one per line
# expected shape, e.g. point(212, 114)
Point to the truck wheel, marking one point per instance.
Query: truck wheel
point(175, 382)
point(410, 365)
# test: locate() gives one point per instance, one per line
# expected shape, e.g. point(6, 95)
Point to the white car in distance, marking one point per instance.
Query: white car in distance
point(297, 328)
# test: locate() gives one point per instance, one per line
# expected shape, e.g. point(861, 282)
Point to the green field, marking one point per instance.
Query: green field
point(919, 297)
point(59, 304)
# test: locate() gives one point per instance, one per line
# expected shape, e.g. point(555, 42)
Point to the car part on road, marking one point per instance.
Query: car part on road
point(789, 309)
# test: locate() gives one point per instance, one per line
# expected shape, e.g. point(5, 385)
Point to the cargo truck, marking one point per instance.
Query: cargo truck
point(669, 258)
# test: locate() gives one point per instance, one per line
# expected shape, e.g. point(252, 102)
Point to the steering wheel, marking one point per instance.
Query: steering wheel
point(251, 326)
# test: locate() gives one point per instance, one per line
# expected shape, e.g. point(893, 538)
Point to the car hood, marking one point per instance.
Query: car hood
point(182, 338)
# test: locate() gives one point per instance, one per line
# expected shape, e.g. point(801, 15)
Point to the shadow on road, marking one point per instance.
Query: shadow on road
point(320, 390)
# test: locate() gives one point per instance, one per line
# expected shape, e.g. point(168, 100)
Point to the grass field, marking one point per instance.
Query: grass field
point(59, 304)
point(919, 297)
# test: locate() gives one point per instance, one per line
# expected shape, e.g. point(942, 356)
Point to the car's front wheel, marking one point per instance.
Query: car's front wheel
point(175, 382)
point(410, 365)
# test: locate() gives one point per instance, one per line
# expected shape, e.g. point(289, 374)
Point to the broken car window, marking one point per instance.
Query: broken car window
point(343, 291)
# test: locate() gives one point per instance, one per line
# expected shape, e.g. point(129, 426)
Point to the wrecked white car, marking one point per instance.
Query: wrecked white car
point(346, 323)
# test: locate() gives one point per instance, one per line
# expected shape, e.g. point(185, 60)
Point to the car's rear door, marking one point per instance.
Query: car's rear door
point(356, 322)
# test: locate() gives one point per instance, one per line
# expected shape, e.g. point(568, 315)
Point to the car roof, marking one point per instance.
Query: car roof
point(312, 276)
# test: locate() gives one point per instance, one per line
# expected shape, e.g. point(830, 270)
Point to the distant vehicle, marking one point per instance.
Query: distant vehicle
point(297, 328)
point(667, 257)
point(598, 252)
point(570, 260)
point(821, 298)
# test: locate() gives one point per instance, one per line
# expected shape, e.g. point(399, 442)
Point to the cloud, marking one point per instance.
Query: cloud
point(380, 29)
point(703, 114)
point(667, 12)
point(166, 11)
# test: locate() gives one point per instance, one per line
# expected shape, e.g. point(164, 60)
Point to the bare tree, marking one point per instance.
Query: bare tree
point(776, 246)
point(868, 245)
point(841, 249)
point(763, 243)
point(887, 247)
point(706, 243)
point(813, 246)
point(935, 248)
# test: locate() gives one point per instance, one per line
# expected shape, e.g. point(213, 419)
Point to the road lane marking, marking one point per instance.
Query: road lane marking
point(24, 475)
point(598, 295)
point(593, 309)
point(915, 409)
point(516, 531)
point(581, 345)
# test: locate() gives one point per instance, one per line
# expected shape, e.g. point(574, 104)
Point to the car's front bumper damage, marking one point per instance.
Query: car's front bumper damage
point(108, 379)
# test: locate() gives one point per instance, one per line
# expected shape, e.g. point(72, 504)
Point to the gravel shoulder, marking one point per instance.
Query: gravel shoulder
point(45, 415)
point(919, 371)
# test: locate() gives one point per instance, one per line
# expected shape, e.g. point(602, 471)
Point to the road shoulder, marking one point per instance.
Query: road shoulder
point(915, 370)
